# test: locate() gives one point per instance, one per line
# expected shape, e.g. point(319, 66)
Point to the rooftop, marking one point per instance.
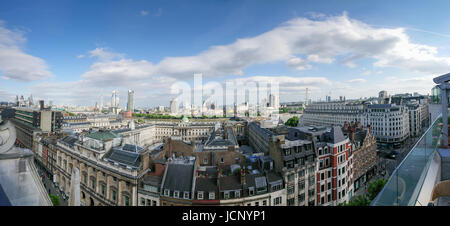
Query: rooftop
point(102, 135)
point(178, 177)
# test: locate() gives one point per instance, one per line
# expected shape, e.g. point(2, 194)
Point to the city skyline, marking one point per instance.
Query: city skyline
point(149, 49)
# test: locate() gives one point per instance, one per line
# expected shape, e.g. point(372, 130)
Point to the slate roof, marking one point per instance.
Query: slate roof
point(335, 135)
point(152, 180)
point(179, 177)
point(206, 184)
point(230, 183)
point(273, 177)
point(102, 136)
point(123, 157)
point(69, 140)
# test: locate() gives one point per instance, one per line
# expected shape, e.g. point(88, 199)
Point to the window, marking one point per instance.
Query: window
point(212, 195)
point(114, 195)
point(291, 177)
point(221, 160)
point(290, 190)
point(176, 194)
point(166, 192)
point(200, 195)
point(93, 183)
point(256, 203)
point(322, 188)
point(226, 195)
point(329, 198)
point(301, 185)
point(186, 195)
point(103, 189)
point(301, 197)
point(322, 200)
point(301, 173)
point(153, 203)
point(127, 200)
point(148, 202)
point(322, 176)
point(142, 202)
point(264, 203)
point(277, 201)
point(329, 185)
point(237, 194)
point(329, 174)
point(205, 161)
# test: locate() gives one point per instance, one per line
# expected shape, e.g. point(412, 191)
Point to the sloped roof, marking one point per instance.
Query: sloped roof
point(179, 177)
point(230, 183)
point(206, 184)
point(102, 136)
point(121, 156)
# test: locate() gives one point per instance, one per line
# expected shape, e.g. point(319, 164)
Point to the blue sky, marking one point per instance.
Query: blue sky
point(72, 52)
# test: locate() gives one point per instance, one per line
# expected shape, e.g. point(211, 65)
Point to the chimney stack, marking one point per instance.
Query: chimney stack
point(243, 177)
point(219, 175)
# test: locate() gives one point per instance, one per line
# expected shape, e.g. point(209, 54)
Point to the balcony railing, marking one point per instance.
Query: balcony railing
point(406, 183)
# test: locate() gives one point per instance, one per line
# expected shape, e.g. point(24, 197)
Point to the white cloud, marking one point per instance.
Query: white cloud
point(357, 80)
point(316, 59)
point(15, 64)
point(105, 54)
point(321, 41)
point(80, 56)
point(298, 64)
point(298, 43)
point(144, 13)
point(366, 73)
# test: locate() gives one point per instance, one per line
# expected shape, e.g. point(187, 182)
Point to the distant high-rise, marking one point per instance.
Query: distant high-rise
point(273, 101)
point(101, 101)
point(130, 104)
point(382, 95)
point(114, 102)
point(174, 106)
point(114, 98)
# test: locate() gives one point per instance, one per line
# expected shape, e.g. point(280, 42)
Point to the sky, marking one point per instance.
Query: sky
point(76, 52)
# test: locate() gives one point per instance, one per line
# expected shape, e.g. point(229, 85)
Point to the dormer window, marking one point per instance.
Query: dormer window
point(200, 195)
point(237, 194)
point(166, 192)
point(212, 195)
point(186, 195)
point(176, 194)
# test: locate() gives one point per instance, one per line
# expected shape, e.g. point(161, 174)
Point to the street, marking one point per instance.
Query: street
point(50, 187)
point(386, 166)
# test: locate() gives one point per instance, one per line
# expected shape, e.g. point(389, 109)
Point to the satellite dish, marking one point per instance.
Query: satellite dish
point(7, 137)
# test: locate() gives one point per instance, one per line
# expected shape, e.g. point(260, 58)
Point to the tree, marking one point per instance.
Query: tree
point(292, 121)
point(358, 201)
point(55, 200)
point(374, 188)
